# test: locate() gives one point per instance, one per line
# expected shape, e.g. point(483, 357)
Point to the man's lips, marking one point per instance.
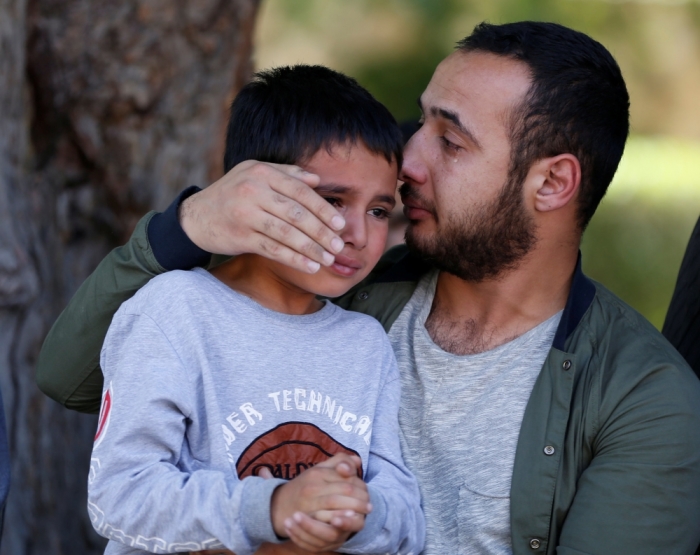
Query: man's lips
point(345, 266)
point(414, 211)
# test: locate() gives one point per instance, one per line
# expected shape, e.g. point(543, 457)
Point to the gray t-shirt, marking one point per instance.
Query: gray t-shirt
point(460, 419)
point(203, 387)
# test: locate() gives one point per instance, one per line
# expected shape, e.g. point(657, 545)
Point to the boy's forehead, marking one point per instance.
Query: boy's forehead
point(350, 166)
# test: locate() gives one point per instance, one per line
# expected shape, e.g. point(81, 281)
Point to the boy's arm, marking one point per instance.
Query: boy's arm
point(138, 492)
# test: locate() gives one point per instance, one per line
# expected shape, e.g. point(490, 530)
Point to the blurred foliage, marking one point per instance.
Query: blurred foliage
point(635, 248)
point(636, 241)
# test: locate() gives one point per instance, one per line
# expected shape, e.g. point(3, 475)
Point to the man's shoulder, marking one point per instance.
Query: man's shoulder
point(627, 350)
point(621, 324)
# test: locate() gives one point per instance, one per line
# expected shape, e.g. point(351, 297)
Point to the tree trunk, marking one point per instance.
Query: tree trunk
point(107, 109)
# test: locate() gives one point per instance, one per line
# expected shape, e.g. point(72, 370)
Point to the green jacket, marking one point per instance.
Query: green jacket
point(608, 457)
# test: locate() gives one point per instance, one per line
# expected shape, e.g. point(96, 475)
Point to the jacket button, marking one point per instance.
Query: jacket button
point(535, 543)
point(363, 296)
point(549, 450)
point(566, 365)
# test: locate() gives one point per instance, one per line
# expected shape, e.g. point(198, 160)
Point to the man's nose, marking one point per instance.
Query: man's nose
point(413, 169)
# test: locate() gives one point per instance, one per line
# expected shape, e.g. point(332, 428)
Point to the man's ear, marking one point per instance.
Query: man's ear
point(560, 178)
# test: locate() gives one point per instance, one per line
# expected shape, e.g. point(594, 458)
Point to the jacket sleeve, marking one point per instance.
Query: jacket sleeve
point(396, 524)
point(641, 492)
point(140, 492)
point(68, 367)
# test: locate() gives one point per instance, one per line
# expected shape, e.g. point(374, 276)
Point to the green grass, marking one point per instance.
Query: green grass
point(635, 242)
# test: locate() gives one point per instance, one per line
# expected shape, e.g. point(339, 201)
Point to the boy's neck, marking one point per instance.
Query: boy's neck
point(261, 279)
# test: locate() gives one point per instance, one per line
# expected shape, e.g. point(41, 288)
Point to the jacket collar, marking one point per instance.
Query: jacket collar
point(412, 268)
point(580, 298)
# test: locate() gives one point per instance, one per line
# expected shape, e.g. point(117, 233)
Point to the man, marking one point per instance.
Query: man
point(539, 413)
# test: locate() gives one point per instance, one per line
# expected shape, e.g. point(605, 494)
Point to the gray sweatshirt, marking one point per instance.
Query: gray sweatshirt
point(204, 387)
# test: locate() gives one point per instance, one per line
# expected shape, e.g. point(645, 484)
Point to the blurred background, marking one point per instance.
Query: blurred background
point(109, 109)
point(636, 241)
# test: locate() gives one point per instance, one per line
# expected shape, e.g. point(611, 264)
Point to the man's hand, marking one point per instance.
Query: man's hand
point(266, 209)
point(330, 490)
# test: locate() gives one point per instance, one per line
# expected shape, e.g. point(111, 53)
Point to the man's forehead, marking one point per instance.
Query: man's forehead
point(467, 81)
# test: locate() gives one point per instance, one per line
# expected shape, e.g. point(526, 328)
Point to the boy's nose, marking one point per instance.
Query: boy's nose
point(355, 230)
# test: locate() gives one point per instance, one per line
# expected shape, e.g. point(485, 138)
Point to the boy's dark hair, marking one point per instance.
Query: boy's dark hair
point(577, 104)
point(287, 114)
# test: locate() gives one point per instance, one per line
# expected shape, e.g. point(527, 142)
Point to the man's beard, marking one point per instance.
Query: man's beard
point(481, 244)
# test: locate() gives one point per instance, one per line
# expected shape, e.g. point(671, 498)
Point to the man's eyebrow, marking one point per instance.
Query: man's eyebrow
point(449, 115)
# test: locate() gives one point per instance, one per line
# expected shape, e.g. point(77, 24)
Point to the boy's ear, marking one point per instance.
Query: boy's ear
point(559, 178)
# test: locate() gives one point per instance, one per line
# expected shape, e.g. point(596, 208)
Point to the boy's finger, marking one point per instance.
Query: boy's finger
point(342, 503)
point(313, 532)
point(341, 459)
point(265, 473)
point(348, 522)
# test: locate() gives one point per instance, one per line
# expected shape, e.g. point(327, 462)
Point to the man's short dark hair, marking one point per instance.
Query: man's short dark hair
point(287, 114)
point(577, 104)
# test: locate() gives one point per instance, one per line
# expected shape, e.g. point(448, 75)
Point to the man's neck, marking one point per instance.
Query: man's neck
point(256, 277)
point(469, 318)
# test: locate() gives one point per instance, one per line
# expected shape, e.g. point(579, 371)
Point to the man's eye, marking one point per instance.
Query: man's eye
point(380, 213)
point(448, 144)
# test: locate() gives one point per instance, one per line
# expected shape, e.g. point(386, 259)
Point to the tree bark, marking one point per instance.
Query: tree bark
point(107, 109)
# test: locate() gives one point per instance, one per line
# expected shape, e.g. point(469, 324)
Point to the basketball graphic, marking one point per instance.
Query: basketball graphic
point(288, 450)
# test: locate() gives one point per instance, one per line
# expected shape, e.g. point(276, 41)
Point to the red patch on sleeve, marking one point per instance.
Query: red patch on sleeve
point(105, 411)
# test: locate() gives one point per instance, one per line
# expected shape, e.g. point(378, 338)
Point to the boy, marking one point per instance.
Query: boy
point(213, 380)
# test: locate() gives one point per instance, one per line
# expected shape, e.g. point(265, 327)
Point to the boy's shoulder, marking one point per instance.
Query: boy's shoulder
point(352, 318)
point(356, 334)
point(171, 292)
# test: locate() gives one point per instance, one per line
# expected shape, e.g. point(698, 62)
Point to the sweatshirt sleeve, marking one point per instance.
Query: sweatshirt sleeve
point(138, 494)
point(396, 524)
point(68, 368)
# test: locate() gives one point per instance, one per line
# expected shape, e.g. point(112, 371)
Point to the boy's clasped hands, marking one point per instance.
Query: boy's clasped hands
point(319, 509)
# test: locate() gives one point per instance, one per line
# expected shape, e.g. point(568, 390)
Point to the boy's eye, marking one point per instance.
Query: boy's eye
point(380, 213)
point(333, 201)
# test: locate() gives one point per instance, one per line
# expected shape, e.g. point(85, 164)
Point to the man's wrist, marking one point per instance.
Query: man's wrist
point(171, 246)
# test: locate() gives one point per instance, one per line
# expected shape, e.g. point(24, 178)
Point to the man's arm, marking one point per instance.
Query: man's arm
point(68, 368)
point(641, 492)
point(267, 209)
